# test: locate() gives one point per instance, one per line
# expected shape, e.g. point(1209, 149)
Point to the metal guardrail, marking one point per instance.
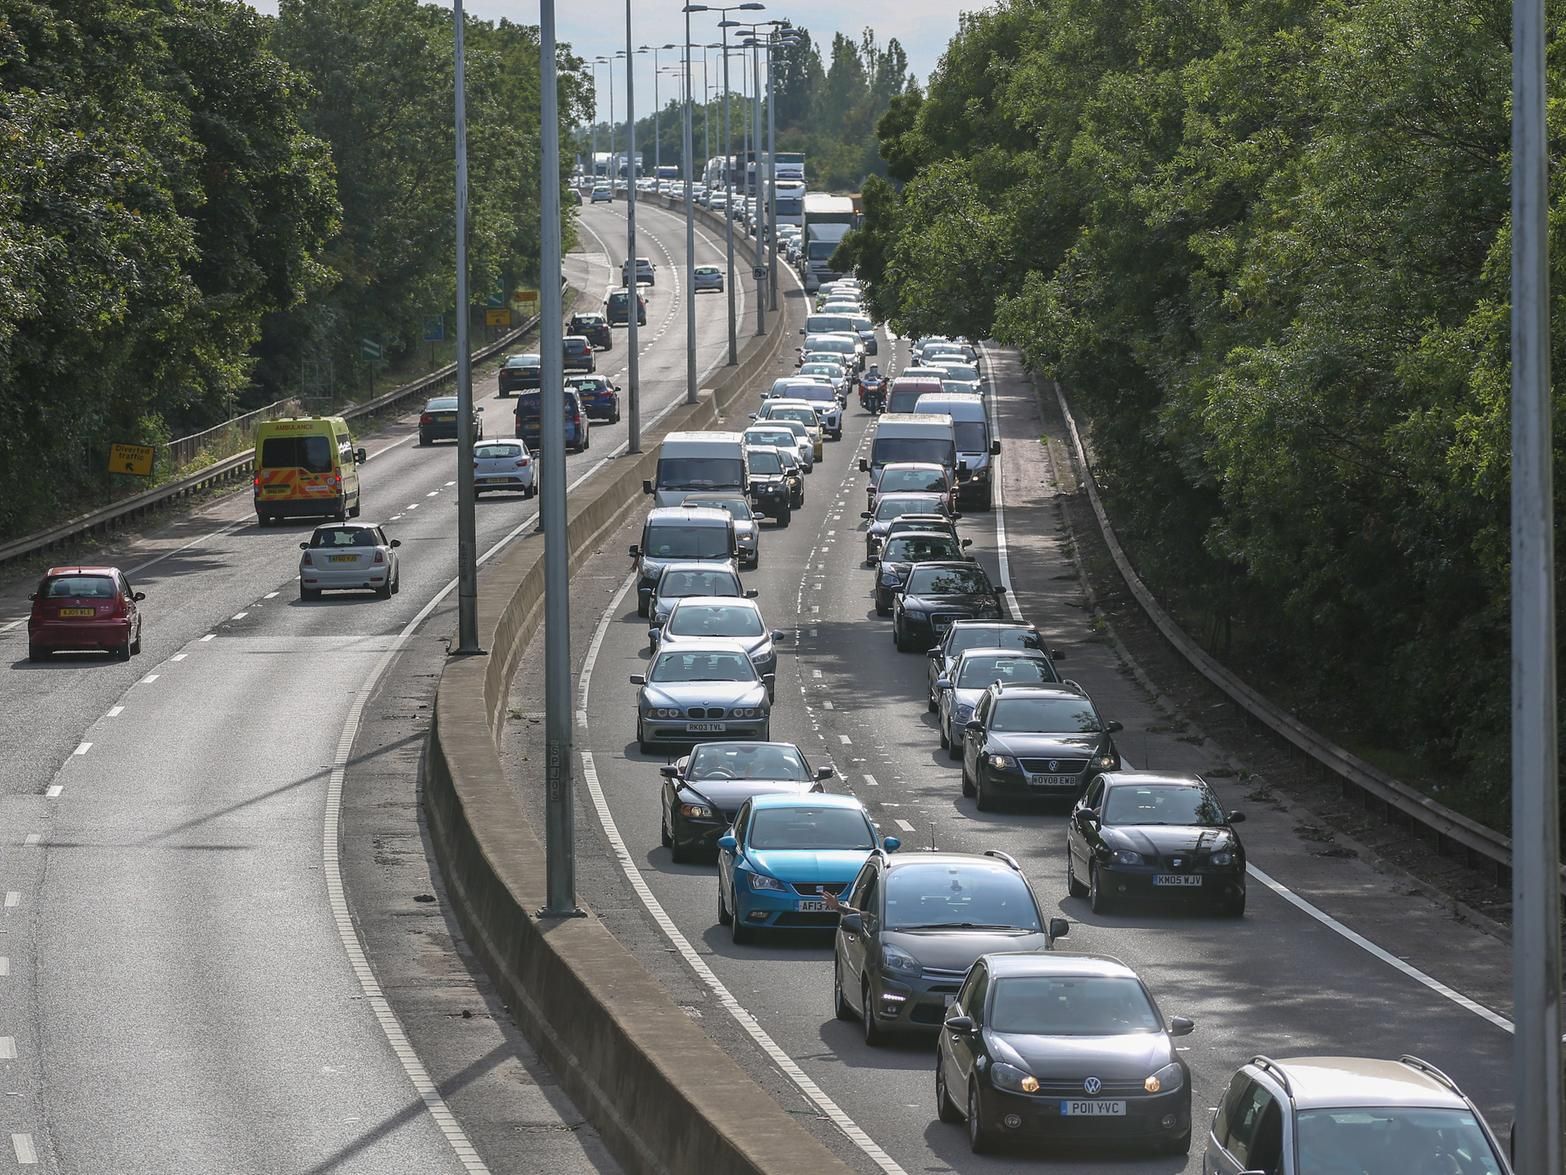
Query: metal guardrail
point(235, 467)
point(182, 450)
point(1452, 832)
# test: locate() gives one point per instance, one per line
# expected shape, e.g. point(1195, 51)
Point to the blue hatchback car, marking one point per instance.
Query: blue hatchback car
point(529, 410)
point(784, 854)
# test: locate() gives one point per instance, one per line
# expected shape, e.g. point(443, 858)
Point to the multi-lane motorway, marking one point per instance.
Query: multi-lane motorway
point(1334, 955)
point(184, 984)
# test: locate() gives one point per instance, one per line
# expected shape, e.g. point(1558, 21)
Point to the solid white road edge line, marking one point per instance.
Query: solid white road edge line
point(812, 1092)
point(998, 504)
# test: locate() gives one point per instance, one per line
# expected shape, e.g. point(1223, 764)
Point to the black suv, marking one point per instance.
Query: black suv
point(769, 491)
point(1034, 741)
point(912, 926)
point(594, 328)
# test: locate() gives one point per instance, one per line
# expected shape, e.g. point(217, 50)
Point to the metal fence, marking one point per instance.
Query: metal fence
point(183, 450)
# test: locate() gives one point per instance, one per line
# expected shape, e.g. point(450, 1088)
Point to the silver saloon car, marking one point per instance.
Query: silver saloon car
point(704, 692)
point(348, 556)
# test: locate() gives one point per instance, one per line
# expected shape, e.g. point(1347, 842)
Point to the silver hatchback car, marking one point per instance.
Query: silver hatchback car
point(349, 556)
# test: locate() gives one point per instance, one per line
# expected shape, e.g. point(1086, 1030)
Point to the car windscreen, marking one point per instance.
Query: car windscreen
point(1162, 804)
point(973, 436)
point(834, 346)
point(717, 582)
point(896, 507)
point(1044, 715)
point(932, 895)
point(805, 416)
point(707, 271)
point(713, 666)
point(676, 540)
point(948, 581)
point(816, 393)
point(312, 454)
point(700, 473)
point(442, 404)
point(830, 370)
point(904, 399)
point(920, 549)
point(980, 672)
point(810, 828)
point(496, 452)
point(861, 323)
point(765, 461)
point(1077, 1005)
point(1393, 1139)
point(910, 481)
point(79, 587)
point(790, 205)
point(523, 361)
point(776, 438)
point(895, 450)
point(718, 620)
point(747, 761)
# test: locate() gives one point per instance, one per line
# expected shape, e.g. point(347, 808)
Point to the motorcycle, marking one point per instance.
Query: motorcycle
point(872, 395)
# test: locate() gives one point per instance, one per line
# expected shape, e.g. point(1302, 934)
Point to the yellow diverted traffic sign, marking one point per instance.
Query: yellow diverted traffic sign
point(526, 302)
point(497, 318)
point(133, 459)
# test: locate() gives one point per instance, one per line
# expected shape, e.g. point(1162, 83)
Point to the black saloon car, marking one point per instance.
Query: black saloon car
point(937, 594)
point(1034, 742)
point(1057, 1047)
point(520, 373)
point(594, 328)
point(617, 306)
point(703, 791)
point(1151, 835)
point(438, 421)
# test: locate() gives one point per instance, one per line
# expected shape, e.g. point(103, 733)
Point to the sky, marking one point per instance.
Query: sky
point(597, 28)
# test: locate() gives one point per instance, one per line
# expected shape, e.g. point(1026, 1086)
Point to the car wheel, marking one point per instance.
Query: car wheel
point(874, 1037)
point(353, 511)
point(396, 585)
point(978, 1134)
point(943, 1099)
point(953, 747)
point(663, 832)
point(841, 1008)
point(930, 702)
point(385, 590)
point(642, 744)
point(967, 781)
point(897, 637)
point(724, 917)
point(1178, 1146)
point(1073, 887)
point(341, 515)
point(677, 852)
point(309, 593)
point(884, 610)
point(784, 518)
point(642, 604)
point(37, 653)
point(263, 520)
point(424, 441)
point(123, 651)
point(1098, 896)
point(739, 933)
point(980, 801)
point(136, 644)
point(1234, 907)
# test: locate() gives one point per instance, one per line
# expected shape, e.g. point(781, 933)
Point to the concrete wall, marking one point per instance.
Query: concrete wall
point(660, 1092)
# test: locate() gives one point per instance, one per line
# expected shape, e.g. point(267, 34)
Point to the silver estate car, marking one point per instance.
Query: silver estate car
point(349, 555)
point(747, 531)
point(974, 671)
point(699, 619)
point(691, 579)
point(704, 692)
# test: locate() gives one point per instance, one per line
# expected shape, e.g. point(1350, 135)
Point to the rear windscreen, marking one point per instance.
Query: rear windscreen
point(936, 450)
point(700, 473)
point(313, 454)
point(80, 587)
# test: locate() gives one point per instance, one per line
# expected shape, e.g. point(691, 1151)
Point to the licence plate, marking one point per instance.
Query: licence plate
point(1071, 1109)
point(491, 480)
point(76, 612)
point(345, 558)
point(1177, 879)
point(706, 727)
point(812, 906)
point(446, 417)
point(1052, 780)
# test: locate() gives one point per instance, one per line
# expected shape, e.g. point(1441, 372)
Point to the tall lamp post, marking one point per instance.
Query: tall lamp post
point(690, 222)
point(728, 162)
point(467, 556)
point(657, 106)
point(755, 43)
point(786, 38)
point(609, 168)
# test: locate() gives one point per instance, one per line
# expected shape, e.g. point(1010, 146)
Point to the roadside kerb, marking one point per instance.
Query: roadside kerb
point(664, 1096)
point(1452, 833)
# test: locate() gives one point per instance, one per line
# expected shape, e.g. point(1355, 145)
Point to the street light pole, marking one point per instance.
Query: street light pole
point(559, 810)
point(1536, 911)
point(728, 208)
point(632, 284)
point(467, 542)
point(690, 227)
point(757, 231)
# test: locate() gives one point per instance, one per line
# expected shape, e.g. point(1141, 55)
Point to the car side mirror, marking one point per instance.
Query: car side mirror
point(973, 726)
point(891, 843)
point(1057, 654)
point(873, 560)
point(1181, 1026)
point(966, 542)
point(826, 772)
point(994, 448)
point(864, 465)
point(867, 514)
point(396, 542)
point(1058, 928)
point(754, 415)
point(480, 408)
point(999, 592)
point(848, 923)
point(779, 635)
point(801, 330)
point(638, 679)
point(302, 547)
point(647, 486)
point(727, 843)
point(360, 456)
point(751, 593)
point(669, 771)
point(1086, 819)
point(956, 514)
point(139, 595)
point(960, 1024)
point(636, 550)
point(34, 596)
point(1114, 726)
point(617, 387)
point(933, 654)
point(768, 678)
point(1236, 817)
point(943, 683)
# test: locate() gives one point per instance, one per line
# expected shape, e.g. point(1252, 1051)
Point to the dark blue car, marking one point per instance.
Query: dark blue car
point(529, 407)
point(600, 398)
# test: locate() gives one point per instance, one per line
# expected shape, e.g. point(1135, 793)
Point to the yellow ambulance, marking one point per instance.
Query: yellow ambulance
point(306, 466)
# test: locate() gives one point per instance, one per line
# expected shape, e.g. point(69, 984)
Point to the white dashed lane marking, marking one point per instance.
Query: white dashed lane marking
point(115, 711)
point(82, 748)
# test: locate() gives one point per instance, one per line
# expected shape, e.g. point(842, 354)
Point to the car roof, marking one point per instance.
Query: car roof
point(716, 601)
point(1042, 690)
point(941, 563)
point(1056, 963)
point(1144, 778)
point(1319, 1082)
point(54, 571)
point(709, 515)
point(978, 651)
point(714, 644)
point(702, 566)
point(820, 799)
point(984, 860)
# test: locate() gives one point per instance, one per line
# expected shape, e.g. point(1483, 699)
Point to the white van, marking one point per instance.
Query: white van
point(975, 445)
point(698, 462)
point(912, 436)
point(681, 534)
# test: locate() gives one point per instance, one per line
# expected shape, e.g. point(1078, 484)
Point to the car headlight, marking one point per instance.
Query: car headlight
point(964, 713)
point(762, 881)
point(982, 473)
point(891, 578)
point(698, 810)
point(660, 712)
point(1168, 1079)
point(1125, 857)
point(1010, 1077)
point(1106, 762)
point(1223, 857)
point(746, 712)
point(899, 961)
point(1001, 762)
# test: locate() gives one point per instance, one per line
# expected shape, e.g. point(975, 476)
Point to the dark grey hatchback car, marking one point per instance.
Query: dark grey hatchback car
point(913, 925)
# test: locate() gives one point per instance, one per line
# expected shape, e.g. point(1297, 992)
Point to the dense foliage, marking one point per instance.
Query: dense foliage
point(1265, 245)
point(203, 209)
point(829, 111)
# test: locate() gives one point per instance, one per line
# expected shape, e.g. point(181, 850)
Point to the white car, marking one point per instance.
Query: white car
point(504, 465)
point(349, 556)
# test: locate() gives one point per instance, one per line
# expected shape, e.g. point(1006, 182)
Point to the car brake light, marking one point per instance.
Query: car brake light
point(379, 558)
point(523, 462)
point(306, 560)
point(256, 481)
point(426, 418)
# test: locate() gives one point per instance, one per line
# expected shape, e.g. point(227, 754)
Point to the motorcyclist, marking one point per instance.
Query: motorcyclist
point(872, 388)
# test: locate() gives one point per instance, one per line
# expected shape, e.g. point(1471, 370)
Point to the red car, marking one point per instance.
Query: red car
point(84, 608)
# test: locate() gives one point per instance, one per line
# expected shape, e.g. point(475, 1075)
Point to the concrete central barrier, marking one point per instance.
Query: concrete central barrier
point(664, 1097)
